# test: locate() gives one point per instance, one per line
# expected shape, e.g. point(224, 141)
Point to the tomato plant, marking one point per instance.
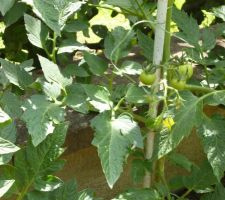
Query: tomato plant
point(47, 71)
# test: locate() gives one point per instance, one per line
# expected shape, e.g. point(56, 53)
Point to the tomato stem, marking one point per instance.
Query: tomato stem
point(166, 55)
point(196, 88)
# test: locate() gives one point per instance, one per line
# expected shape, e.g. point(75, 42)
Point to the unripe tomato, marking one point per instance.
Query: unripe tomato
point(178, 84)
point(185, 70)
point(147, 78)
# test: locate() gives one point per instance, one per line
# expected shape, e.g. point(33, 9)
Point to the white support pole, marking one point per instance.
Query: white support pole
point(157, 59)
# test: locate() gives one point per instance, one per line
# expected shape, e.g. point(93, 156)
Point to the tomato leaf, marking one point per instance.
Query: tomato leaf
point(96, 64)
point(41, 116)
point(146, 44)
point(69, 46)
point(117, 43)
point(218, 194)
point(48, 183)
point(15, 13)
point(77, 98)
point(208, 40)
point(219, 12)
point(6, 5)
point(11, 104)
point(8, 133)
point(143, 194)
point(7, 147)
point(16, 74)
point(135, 94)
point(34, 163)
point(191, 112)
point(113, 138)
point(4, 118)
point(130, 68)
point(52, 73)
point(180, 160)
point(200, 178)
point(99, 97)
point(189, 26)
point(37, 31)
point(54, 13)
point(5, 185)
point(52, 90)
point(213, 138)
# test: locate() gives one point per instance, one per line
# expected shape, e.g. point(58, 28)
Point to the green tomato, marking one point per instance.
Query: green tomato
point(147, 78)
point(185, 71)
point(178, 84)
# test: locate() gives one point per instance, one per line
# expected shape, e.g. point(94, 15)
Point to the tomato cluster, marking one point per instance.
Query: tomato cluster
point(178, 78)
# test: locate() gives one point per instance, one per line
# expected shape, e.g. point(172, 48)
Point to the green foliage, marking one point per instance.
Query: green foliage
point(144, 194)
point(54, 13)
point(52, 73)
point(190, 111)
point(212, 133)
point(190, 30)
point(96, 64)
point(41, 116)
point(16, 74)
point(113, 138)
point(5, 186)
point(218, 194)
point(37, 31)
point(46, 69)
point(219, 12)
point(6, 5)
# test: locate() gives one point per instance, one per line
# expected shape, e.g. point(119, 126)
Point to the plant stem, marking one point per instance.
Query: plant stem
point(119, 104)
point(24, 191)
point(53, 55)
point(135, 116)
point(186, 193)
point(46, 51)
point(195, 88)
point(167, 46)
point(157, 59)
point(161, 164)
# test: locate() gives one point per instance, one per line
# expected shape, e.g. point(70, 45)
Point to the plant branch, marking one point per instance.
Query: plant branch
point(135, 116)
point(162, 176)
point(186, 193)
point(54, 49)
point(167, 44)
point(195, 88)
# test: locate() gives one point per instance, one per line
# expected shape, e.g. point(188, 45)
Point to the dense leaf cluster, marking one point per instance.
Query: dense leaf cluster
point(39, 80)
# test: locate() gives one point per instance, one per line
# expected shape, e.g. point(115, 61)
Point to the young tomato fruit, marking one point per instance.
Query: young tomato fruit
point(147, 78)
point(185, 70)
point(178, 84)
